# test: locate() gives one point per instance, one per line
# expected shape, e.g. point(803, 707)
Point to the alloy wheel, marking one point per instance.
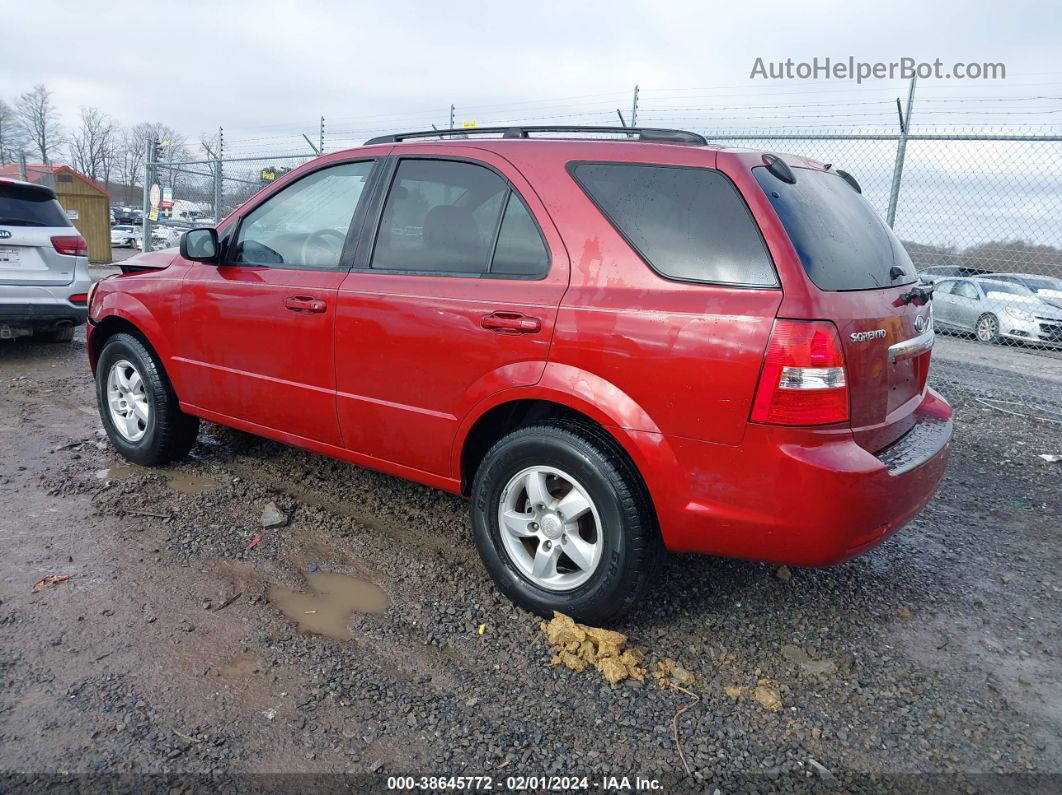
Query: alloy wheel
point(987, 328)
point(127, 401)
point(550, 528)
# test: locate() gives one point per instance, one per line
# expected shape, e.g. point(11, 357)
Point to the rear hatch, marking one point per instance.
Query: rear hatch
point(29, 218)
point(865, 284)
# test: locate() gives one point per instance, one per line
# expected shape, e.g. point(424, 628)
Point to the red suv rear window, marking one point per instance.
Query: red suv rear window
point(843, 244)
point(688, 223)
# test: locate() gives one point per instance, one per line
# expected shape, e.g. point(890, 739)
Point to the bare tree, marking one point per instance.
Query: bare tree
point(40, 120)
point(173, 149)
point(12, 137)
point(129, 163)
point(92, 144)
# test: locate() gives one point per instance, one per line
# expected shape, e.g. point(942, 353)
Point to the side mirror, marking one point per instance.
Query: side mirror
point(200, 245)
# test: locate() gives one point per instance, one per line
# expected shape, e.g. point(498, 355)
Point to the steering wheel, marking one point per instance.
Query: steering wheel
point(328, 241)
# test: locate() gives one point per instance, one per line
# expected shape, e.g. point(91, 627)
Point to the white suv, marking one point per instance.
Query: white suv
point(44, 278)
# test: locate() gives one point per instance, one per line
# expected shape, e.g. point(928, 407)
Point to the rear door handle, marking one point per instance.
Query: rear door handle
point(511, 323)
point(305, 303)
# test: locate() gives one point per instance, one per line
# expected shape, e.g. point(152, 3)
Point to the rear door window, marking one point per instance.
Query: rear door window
point(22, 205)
point(842, 243)
point(457, 218)
point(520, 250)
point(687, 223)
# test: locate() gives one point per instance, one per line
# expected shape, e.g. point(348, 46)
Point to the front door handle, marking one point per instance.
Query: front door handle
point(305, 303)
point(511, 323)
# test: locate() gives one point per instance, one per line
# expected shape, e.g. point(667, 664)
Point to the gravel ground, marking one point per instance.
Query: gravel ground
point(933, 663)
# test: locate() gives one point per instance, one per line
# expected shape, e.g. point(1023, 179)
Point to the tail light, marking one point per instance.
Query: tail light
point(78, 298)
point(71, 245)
point(803, 380)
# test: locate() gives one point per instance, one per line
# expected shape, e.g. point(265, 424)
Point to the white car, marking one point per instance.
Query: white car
point(44, 278)
point(162, 237)
point(995, 311)
point(125, 236)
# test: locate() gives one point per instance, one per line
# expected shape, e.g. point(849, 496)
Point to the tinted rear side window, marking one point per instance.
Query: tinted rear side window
point(21, 206)
point(842, 243)
point(520, 250)
point(688, 223)
point(440, 216)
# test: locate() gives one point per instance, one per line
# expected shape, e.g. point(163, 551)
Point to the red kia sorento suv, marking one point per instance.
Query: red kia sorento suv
point(612, 347)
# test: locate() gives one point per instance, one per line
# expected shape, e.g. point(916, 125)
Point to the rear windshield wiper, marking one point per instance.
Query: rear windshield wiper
point(922, 294)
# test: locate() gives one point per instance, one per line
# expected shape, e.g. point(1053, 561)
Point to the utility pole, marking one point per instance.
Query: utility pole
point(634, 108)
point(322, 136)
point(901, 152)
point(451, 117)
point(218, 178)
point(149, 180)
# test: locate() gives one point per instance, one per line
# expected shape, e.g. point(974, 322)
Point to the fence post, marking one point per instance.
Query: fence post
point(149, 180)
point(901, 152)
point(218, 177)
point(22, 166)
point(634, 108)
point(322, 136)
point(451, 116)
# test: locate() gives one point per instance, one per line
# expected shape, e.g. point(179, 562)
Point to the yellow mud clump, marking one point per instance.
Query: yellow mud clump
point(579, 646)
point(765, 694)
point(669, 672)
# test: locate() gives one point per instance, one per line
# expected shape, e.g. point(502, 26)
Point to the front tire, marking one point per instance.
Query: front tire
point(563, 522)
point(987, 329)
point(138, 406)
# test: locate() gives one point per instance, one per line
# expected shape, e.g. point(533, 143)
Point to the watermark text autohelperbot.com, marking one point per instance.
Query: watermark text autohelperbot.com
point(851, 69)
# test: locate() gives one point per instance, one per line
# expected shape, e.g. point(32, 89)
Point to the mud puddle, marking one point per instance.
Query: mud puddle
point(182, 482)
point(326, 609)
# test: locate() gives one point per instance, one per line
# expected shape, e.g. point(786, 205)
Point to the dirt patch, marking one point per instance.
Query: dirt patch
point(142, 663)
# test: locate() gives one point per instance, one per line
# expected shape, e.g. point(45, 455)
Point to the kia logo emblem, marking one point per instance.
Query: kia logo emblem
point(920, 323)
point(4, 234)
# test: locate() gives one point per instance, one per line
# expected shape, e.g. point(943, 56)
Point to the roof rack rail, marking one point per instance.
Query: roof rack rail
point(643, 133)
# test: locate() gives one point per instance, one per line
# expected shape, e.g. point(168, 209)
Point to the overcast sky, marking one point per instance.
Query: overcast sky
point(268, 68)
point(267, 71)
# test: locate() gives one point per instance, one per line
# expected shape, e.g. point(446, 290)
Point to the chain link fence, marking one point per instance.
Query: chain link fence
point(201, 192)
point(980, 214)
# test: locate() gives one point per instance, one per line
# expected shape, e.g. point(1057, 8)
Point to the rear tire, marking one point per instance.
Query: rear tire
point(61, 334)
point(138, 406)
point(614, 539)
point(987, 329)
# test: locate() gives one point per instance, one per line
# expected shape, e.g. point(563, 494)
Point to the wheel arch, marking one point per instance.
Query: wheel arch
point(128, 315)
point(567, 393)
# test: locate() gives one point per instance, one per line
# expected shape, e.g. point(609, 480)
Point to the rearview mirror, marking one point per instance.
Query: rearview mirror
point(200, 245)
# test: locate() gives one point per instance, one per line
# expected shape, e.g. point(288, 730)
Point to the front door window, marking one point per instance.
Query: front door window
point(305, 225)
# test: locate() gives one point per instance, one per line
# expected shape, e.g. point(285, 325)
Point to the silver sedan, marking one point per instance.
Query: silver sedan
point(995, 310)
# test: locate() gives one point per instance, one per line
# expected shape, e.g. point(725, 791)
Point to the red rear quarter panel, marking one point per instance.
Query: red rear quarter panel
point(688, 355)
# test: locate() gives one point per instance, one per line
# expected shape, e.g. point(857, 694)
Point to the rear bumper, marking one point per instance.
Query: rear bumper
point(42, 316)
point(45, 306)
point(810, 498)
